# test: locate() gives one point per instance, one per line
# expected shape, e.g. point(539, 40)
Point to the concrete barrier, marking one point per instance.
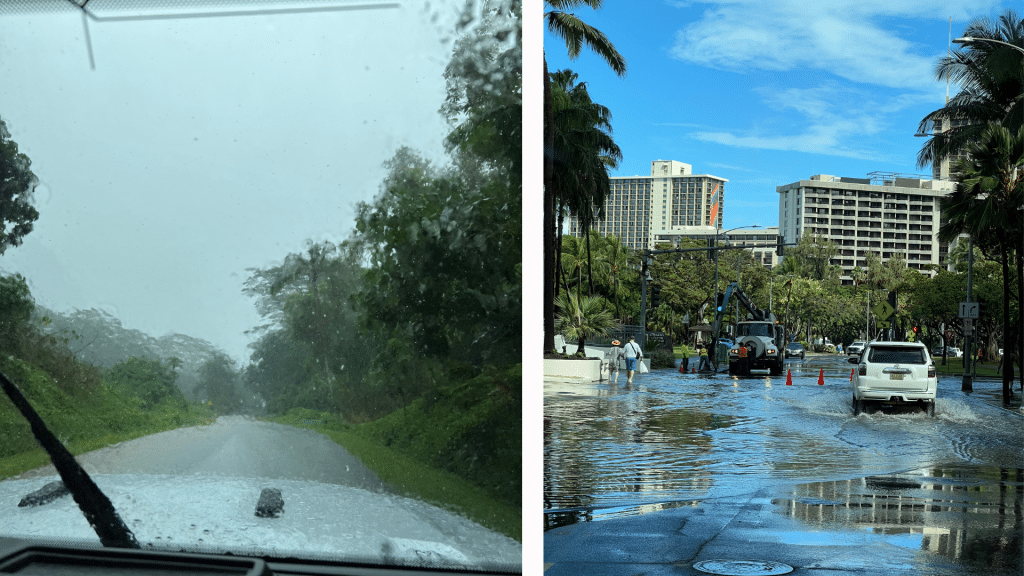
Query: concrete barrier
point(586, 370)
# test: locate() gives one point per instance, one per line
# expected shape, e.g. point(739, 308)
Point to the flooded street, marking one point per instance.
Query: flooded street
point(950, 488)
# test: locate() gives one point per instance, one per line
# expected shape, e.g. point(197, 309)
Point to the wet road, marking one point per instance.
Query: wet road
point(947, 489)
point(196, 489)
point(232, 446)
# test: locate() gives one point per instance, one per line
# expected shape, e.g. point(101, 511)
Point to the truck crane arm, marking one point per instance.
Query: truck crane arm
point(755, 312)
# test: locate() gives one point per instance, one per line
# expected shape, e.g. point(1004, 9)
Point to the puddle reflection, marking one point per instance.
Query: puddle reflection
point(969, 514)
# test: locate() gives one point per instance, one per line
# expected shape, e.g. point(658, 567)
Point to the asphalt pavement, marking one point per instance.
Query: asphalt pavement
point(233, 446)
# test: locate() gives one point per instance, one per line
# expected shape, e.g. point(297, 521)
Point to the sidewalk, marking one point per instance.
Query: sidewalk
point(744, 527)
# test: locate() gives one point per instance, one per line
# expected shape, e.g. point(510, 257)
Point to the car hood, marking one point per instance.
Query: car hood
point(217, 515)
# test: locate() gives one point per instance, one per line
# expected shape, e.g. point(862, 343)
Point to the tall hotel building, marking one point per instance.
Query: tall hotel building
point(886, 213)
point(672, 201)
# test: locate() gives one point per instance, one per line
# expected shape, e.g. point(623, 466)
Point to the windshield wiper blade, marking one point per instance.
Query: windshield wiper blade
point(95, 505)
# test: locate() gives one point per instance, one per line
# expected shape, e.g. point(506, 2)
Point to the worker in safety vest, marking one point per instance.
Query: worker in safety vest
point(704, 363)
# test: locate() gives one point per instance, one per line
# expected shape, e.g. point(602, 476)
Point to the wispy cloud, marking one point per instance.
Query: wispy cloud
point(730, 167)
point(818, 139)
point(829, 119)
point(850, 39)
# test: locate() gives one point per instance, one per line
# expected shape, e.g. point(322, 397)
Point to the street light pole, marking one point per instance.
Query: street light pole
point(971, 40)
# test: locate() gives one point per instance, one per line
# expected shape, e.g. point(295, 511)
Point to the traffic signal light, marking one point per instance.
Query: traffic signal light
point(655, 295)
point(779, 240)
point(915, 329)
point(711, 244)
point(892, 299)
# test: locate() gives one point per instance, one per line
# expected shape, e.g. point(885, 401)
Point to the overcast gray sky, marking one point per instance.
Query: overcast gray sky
point(198, 148)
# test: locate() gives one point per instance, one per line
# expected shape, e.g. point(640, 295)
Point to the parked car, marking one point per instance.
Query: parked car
point(951, 352)
point(855, 348)
point(894, 373)
point(794, 349)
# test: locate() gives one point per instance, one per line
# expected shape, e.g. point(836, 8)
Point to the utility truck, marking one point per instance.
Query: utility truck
point(761, 334)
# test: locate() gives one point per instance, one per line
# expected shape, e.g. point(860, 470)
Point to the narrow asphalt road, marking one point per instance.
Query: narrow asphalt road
point(233, 446)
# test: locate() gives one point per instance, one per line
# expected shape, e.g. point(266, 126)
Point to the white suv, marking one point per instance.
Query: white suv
point(894, 372)
point(855, 348)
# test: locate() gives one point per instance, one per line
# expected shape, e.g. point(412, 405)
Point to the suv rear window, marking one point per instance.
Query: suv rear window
point(896, 355)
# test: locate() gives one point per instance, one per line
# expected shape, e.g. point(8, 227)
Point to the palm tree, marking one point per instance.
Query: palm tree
point(575, 33)
point(584, 152)
point(618, 258)
point(573, 259)
point(582, 318)
point(991, 81)
point(984, 205)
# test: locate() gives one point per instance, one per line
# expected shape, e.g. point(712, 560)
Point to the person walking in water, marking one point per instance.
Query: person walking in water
point(614, 359)
point(633, 354)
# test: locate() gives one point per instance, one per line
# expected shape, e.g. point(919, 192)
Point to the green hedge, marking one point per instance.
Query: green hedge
point(83, 419)
point(460, 448)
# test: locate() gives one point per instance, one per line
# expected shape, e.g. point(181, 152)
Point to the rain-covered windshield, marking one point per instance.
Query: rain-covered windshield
point(267, 245)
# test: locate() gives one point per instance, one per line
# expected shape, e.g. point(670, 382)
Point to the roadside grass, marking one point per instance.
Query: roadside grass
point(955, 366)
point(459, 450)
point(83, 420)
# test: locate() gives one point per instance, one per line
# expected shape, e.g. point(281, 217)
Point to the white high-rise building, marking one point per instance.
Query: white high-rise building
point(886, 213)
point(672, 201)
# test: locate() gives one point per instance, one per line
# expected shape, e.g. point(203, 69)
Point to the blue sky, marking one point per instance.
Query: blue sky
point(768, 93)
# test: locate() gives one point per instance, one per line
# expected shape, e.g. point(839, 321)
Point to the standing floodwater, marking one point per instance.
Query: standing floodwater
point(949, 486)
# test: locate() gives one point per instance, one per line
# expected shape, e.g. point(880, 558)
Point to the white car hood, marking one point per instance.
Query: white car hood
point(217, 515)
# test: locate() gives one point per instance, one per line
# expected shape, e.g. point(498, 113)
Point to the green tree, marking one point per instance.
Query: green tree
point(279, 372)
point(310, 271)
point(584, 151)
point(985, 205)
point(151, 381)
point(584, 318)
point(444, 260)
point(16, 306)
point(573, 258)
point(575, 33)
point(17, 183)
point(219, 384)
point(484, 102)
point(990, 79)
point(812, 258)
point(618, 258)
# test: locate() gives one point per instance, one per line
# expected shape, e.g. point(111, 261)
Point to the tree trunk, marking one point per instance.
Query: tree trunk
point(548, 225)
point(590, 269)
point(558, 250)
point(1004, 260)
point(1019, 328)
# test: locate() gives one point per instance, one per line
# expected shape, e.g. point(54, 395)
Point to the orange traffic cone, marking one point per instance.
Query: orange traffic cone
point(851, 374)
point(821, 377)
point(789, 377)
point(682, 370)
point(694, 370)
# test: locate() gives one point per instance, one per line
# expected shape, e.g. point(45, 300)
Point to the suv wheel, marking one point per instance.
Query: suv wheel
point(931, 409)
point(858, 406)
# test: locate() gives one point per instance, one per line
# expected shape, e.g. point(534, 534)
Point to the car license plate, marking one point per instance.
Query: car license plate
point(895, 376)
